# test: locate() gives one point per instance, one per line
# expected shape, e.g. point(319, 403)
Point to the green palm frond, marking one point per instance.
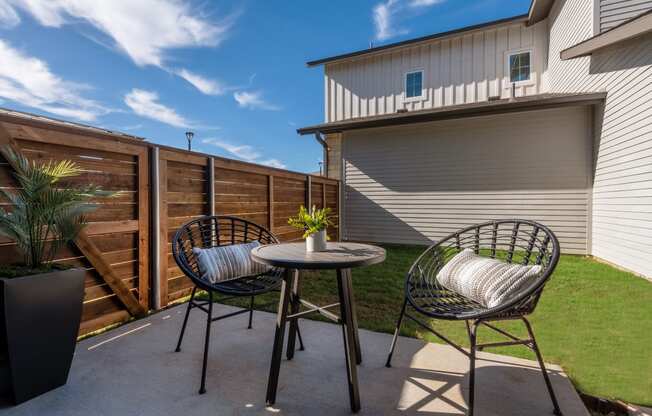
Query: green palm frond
point(45, 215)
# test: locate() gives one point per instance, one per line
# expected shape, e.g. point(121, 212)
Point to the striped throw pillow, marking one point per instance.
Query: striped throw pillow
point(219, 264)
point(489, 282)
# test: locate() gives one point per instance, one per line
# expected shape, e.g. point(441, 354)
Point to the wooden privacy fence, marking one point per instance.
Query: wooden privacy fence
point(126, 248)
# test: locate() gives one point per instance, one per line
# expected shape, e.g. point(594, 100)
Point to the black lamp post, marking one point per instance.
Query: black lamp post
point(189, 136)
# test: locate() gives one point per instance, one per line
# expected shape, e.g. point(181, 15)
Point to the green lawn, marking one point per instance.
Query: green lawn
point(593, 320)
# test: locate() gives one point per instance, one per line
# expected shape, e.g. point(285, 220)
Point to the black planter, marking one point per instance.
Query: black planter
point(39, 326)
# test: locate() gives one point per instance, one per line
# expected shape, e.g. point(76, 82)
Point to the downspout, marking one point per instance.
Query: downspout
point(320, 139)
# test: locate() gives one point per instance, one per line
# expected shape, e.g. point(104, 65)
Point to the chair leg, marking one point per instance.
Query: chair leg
point(473, 337)
point(185, 319)
point(388, 364)
point(251, 311)
point(301, 348)
point(535, 347)
point(209, 320)
point(295, 305)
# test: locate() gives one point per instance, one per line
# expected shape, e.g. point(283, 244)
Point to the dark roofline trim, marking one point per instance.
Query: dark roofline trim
point(534, 102)
point(322, 61)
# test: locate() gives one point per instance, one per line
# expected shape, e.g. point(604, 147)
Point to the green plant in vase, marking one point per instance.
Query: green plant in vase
point(314, 225)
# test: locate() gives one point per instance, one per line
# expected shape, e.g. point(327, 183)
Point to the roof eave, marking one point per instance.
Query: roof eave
point(539, 10)
point(460, 111)
point(632, 28)
point(384, 48)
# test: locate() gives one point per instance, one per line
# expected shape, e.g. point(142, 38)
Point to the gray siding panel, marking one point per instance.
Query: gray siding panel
point(417, 184)
point(622, 190)
point(614, 12)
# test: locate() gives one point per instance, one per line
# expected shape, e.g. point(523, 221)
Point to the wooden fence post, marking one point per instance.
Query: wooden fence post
point(143, 227)
point(270, 202)
point(163, 232)
point(309, 193)
point(156, 235)
point(340, 220)
point(211, 186)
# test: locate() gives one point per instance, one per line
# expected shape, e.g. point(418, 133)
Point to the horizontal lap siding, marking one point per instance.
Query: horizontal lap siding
point(457, 70)
point(614, 12)
point(622, 191)
point(418, 184)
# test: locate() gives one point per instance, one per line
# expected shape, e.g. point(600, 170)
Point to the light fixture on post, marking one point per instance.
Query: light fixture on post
point(189, 136)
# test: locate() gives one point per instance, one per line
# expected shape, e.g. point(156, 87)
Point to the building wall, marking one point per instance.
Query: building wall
point(611, 13)
point(460, 69)
point(416, 184)
point(622, 189)
point(334, 142)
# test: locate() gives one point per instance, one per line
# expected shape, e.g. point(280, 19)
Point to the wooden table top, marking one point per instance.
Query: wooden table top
point(336, 256)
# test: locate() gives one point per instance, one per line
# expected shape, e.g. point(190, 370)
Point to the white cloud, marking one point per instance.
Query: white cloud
point(145, 29)
point(29, 81)
point(424, 3)
point(8, 16)
point(383, 14)
point(203, 84)
point(145, 103)
point(244, 152)
point(386, 14)
point(274, 163)
point(132, 127)
point(253, 100)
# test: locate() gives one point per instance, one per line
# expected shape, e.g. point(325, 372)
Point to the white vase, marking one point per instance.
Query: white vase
point(316, 242)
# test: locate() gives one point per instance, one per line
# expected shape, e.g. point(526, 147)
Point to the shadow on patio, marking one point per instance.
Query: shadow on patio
point(139, 374)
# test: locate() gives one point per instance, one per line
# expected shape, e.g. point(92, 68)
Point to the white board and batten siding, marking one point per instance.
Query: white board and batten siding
point(611, 13)
point(417, 184)
point(458, 69)
point(622, 189)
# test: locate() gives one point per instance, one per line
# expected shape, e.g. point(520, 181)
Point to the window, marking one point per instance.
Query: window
point(519, 66)
point(414, 84)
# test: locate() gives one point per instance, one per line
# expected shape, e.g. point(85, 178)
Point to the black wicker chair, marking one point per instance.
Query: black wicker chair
point(213, 231)
point(514, 241)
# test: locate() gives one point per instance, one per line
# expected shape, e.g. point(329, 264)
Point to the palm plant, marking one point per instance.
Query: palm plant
point(45, 215)
point(311, 222)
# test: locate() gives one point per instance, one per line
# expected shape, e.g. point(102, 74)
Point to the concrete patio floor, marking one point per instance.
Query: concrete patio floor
point(133, 370)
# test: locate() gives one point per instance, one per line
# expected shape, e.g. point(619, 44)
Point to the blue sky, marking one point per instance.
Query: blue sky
point(231, 71)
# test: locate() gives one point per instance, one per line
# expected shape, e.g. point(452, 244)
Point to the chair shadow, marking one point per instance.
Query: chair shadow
point(514, 388)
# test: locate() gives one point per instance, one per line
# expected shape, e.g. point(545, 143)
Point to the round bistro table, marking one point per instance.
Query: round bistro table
point(293, 258)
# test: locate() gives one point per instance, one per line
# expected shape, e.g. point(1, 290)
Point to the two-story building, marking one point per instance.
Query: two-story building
point(546, 116)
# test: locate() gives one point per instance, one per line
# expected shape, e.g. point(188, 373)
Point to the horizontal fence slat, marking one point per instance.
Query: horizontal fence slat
point(118, 233)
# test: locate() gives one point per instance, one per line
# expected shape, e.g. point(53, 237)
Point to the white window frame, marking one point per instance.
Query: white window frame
point(508, 72)
point(421, 97)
